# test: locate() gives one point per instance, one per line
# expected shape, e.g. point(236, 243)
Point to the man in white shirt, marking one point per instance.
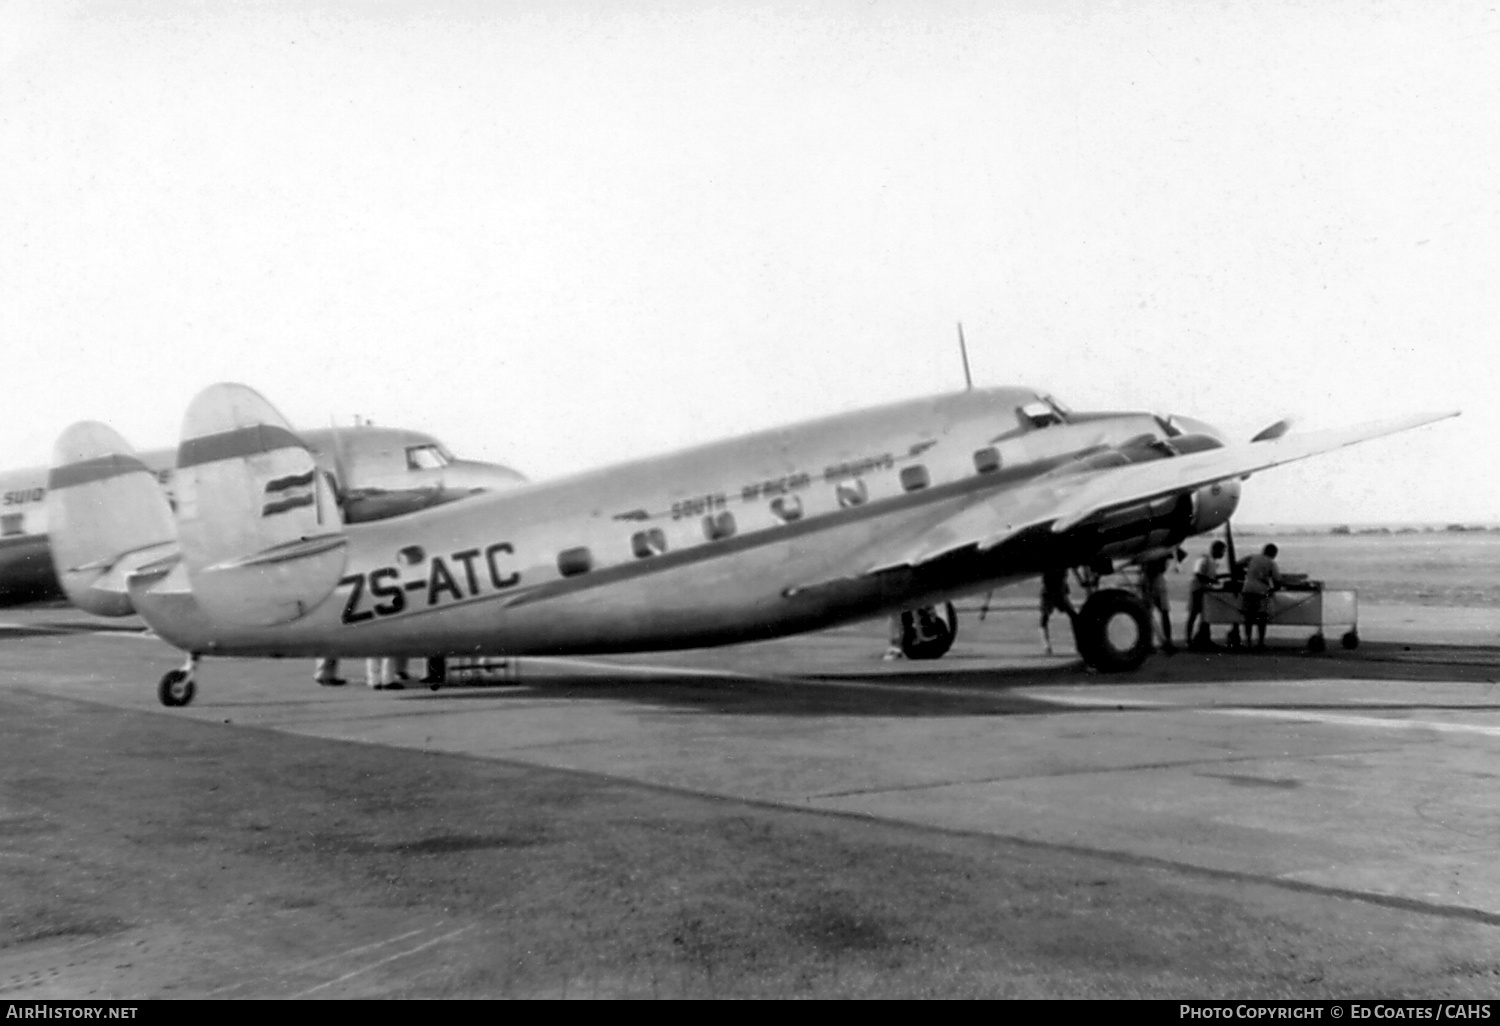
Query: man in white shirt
point(1205, 576)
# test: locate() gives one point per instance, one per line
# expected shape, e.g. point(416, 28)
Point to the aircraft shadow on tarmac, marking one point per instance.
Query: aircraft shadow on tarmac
point(1378, 661)
point(755, 696)
point(948, 690)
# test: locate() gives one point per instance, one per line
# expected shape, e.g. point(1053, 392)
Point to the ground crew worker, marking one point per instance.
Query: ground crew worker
point(902, 624)
point(1262, 576)
point(387, 674)
point(1055, 596)
point(1205, 576)
point(1154, 590)
point(326, 673)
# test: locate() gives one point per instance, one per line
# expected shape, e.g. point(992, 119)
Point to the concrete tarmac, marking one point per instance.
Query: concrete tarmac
point(1365, 775)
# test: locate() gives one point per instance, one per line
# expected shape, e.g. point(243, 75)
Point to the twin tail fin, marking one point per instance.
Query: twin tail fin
point(262, 538)
point(107, 517)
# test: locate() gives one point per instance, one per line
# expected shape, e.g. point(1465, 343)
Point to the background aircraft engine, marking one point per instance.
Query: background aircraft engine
point(1214, 504)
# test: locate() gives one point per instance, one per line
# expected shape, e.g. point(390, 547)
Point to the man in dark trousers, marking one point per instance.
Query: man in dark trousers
point(1262, 577)
point(1054, 596)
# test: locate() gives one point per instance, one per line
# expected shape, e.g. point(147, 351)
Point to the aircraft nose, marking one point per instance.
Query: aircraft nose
point(472, 475)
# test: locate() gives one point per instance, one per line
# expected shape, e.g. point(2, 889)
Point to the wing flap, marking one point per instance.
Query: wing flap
point(982, 525)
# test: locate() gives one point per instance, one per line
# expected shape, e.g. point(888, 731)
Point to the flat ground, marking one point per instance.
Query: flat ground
point(792, 818)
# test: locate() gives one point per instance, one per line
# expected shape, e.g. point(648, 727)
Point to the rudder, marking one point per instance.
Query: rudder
point(106, 517)
point(261, 534)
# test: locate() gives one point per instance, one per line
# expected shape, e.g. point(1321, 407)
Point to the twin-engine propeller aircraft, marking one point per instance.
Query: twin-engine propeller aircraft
point(782, 531)
point(378, 472)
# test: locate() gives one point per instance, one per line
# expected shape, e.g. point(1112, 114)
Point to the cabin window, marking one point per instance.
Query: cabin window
point(717, 526)
point(787, 508)
point(425, 457)
point(10, 524)
point(572, 562)
point(648, 543)
point(914, 478)
point(987, 460)
point(852, 493)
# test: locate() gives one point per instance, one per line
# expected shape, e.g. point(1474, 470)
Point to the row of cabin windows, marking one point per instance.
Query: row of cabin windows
point(721, 525)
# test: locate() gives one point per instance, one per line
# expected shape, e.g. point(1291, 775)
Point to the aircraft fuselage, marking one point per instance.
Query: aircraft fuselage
point(711, 545)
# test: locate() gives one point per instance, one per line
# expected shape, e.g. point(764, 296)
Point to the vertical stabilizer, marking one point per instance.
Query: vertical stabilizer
point(106, 517)
point(261, 534)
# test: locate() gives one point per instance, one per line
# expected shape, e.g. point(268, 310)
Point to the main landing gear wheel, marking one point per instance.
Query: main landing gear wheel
point(176, 688)
point(928, 633)
point(1114, 631)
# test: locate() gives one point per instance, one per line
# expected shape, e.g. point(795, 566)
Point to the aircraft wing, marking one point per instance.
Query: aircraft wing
point(983, 524)
point(1141, 482)
point(1066, 501)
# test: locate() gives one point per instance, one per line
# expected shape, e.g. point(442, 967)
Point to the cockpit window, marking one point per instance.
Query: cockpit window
point(1040, 414)
point(426, 457)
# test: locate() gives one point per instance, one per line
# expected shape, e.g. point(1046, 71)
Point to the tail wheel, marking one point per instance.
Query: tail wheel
point(176, 688)
point(928, 633)
point(1114, 631)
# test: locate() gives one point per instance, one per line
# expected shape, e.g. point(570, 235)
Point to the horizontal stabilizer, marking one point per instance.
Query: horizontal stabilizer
point(286, 553)
point(262, 538)
point(106, 517)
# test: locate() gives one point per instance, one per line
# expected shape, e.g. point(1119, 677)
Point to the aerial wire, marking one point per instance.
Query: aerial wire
point(963, 350)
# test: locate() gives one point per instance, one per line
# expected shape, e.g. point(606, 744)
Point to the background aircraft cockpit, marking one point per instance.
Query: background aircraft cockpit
point(427, 457)
point(385, 472)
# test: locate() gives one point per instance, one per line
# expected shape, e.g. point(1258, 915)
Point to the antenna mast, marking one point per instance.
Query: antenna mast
point(963, 350)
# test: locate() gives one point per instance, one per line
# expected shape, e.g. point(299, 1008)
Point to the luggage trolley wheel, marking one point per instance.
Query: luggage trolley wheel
point(1317, 643)
point(1350, 640)
point(177, 688)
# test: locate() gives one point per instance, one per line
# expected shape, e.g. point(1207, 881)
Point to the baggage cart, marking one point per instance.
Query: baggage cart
point(1306, 604)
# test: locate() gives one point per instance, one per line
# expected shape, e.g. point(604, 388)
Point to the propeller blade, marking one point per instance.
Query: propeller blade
point(340, 466)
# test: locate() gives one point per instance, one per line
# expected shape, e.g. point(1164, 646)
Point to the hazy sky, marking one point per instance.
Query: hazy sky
point(559, 235)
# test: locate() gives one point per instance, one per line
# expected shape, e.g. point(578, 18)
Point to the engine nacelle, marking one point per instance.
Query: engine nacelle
point(1185, 444)
point(1214, 504)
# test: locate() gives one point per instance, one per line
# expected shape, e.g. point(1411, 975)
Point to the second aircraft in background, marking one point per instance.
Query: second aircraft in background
point(377, 472)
